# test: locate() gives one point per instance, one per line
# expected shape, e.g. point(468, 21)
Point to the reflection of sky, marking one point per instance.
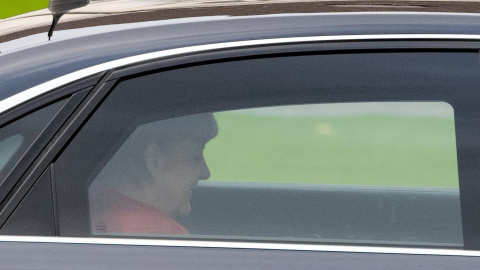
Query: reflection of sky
point(423, 109)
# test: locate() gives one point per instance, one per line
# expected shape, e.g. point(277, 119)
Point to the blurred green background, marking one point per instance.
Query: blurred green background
point(369, 149)
point(9, 8)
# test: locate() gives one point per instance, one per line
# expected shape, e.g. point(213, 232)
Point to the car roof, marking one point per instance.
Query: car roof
point(113, 11)
point(36, 61)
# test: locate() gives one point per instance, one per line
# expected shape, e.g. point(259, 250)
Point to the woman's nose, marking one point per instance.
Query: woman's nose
point(204, 171)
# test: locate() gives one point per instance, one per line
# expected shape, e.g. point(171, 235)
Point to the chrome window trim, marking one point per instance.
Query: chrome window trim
point(240, 245)
point(43, 88)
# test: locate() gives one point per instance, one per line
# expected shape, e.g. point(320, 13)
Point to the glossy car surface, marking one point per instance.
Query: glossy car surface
point(70, 104)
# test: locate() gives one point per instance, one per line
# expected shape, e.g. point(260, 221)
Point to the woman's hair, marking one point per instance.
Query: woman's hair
point(128, 166)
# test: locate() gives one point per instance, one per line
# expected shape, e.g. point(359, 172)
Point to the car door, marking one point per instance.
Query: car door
point(342, 153)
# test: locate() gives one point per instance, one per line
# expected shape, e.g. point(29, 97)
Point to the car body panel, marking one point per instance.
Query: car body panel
point(108, 53)
point(180, 254)
point(115, 11)
point(56, 59)
point(15, 99)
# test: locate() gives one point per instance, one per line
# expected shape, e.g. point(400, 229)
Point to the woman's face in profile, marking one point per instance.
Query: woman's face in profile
point(176, 173)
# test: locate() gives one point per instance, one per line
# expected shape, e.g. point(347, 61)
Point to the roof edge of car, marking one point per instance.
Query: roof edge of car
point(43, 88)
point(36, 37)
point(80, 18)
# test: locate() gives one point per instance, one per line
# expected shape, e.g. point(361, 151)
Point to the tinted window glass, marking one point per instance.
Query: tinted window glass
point(358, 172)
point(8, 147)
point(347, 148)
point(378, 144)
point(18, 136)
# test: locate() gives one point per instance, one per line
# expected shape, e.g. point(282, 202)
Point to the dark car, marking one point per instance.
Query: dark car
point(329, 140)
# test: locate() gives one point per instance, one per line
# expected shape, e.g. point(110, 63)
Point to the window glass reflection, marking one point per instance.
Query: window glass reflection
point(368, 173)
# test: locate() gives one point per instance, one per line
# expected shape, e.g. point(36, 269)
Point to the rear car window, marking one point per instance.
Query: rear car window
point(403, 144)
point(347, 148)
point(377, 172)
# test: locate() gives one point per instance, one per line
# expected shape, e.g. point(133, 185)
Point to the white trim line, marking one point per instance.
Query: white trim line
point(240, 245)
point(43, 88)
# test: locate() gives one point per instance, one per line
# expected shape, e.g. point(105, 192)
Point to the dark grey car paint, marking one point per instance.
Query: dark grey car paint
point(58, 58)
point(26, 68)
point(91, 256)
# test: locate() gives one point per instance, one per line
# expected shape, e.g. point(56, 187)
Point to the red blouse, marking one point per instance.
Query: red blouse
point(118, 213)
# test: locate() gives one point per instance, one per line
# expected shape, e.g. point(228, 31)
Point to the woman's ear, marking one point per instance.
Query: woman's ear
point(154, 159)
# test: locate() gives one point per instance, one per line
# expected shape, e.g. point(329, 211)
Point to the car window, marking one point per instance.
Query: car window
point(17, 136)
point(8, 147)
point(344, 149)
point(376, 144)
point(390, 165)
